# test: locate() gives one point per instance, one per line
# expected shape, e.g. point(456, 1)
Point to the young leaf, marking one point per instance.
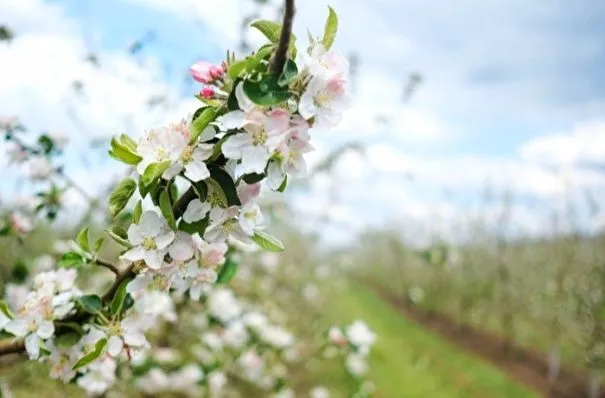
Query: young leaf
point(117, 303)
point(227, 185)
point(227, 272)
point(138, 210)
point(200, 123)
point(267, 241)
point(153, 172)
point(330, 29)
point(272, 31)
point(201, 190)
point(166, 208)
point(5, 309)
point(118, 239)
point(123, 152)
point(198, 226)
point(70, 259)
point(98, 243)
point(121, 195)
point(288, 74)
point(90, 357)
point(283, 185)
point(82, 239)
point(253, 178)
point(90, 303)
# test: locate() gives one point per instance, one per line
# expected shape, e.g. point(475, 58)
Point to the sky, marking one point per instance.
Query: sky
point(512, 98)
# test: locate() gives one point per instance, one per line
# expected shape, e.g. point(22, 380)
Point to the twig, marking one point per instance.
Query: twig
point(109, 266)
point(11, 347)
point(279, 59)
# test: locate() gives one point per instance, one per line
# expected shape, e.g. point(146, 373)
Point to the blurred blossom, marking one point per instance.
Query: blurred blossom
point(416, 294)
point(310, 292)
point(39, 168)
point(44, 263)
point(356, 364)
point(319, 392)
point(269, 261)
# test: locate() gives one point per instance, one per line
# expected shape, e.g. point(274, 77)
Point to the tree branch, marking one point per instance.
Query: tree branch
point(109, 266)
point(11, 347)
point(279, 59)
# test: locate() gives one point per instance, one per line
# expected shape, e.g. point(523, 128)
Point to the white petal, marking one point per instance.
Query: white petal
point(232, 148)
point(202, 152)
point(134, 236)
point(196, 210)
point(32, 346)
point(154, 259)
point(195, 292)
point(114, 346)
point(135, 338)
point(4, 320)
point(306, 105)
point(255, 159)
point(138, 283)
point(172, 171)
point(162, 241)
point(243, 101)
point(18, 327)
point(197, 171)
point(208, 134)
point(275, 175)
point(135, 254)
point(232, 120)
point(151, 223)
point(46, 329)
point(214, 234)
point(180, 251)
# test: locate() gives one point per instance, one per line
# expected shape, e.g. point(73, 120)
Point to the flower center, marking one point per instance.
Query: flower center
point(215, 199)
point(149, 244)
point(160, 282)
point(229, 225)
point(250, 215)
point(187, 155)
point(321, 99)
point(259, 137)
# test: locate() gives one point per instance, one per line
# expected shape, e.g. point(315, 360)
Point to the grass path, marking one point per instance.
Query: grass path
point(408, 361)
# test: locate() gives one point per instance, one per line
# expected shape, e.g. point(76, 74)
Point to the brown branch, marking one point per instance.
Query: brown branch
point(109, 266)
point(11, 347)
point(279, 59)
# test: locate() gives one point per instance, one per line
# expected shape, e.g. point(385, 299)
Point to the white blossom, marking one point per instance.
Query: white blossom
point(150, 239)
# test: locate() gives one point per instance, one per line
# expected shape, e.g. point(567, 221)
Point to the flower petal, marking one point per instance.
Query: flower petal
point(232, 120)
point(134, 236)
point(208, 134)
point(196, 210)
point(163, 240)
point(151, 223)
point(232, 148)
point(114, 346)
point(154, 259)
point(197, 171)
point(32, 346)
point(46, 329)
point(254, 159)
point(135, 254)
point(17, 327)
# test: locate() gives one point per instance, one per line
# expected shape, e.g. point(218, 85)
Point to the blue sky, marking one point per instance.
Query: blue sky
point(510, 90)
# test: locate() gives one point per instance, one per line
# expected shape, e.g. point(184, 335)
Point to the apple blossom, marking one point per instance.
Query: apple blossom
point(205, 72)
point(150, 239)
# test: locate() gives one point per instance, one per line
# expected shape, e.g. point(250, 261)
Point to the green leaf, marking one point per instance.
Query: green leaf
point(227, 272)
point(67, 340)
point(227, 185)
point(236, 68)
point(82, 239)
point(198, 226)
point(6, 309)
point(288, 74)
point(330, 29)
point(138, 210)
point(267, 91)
point(90, 357)
point(121, 195)
point(153, 172)
point(70, 259)
point(120, 240)
point(128, 143)
point(46, 143)
point(90, 303)
point(76, 327)
point(272, 31)
point(124, 151)
point(201, 190)
point(98, 243)
point(19, 272)
point(166, 208)
point(117, 303)
point(283, 185)
point(267, 241)
point(253, 178)
point(201, 122)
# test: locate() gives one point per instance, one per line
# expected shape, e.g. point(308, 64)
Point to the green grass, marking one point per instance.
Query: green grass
point(408, 361)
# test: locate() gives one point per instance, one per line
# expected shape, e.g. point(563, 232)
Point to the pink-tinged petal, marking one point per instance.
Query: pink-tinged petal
point(162, 241)
point(154, 259)
point(200, 71)
point(297, 167)
point(197, 171)
point(245, 192)
point(278, 120)
point(233, 147)
point(254, 159)
point(17, 327)
point(114, 346)
point(135, 254)
point(32, 346)
point(232, 120)
point(45, 330)
point(134, 236)
point(150, 224)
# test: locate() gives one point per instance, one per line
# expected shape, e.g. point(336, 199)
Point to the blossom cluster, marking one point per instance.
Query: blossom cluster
point(251, 134)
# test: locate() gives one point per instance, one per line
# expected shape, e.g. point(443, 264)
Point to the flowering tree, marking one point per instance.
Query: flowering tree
point(197, 183)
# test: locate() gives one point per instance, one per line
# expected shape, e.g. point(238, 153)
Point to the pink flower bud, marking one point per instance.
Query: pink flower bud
point(205, 72)
point(207, 92)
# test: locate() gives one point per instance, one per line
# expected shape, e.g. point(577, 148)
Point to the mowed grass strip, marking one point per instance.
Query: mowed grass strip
point(409, 361)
